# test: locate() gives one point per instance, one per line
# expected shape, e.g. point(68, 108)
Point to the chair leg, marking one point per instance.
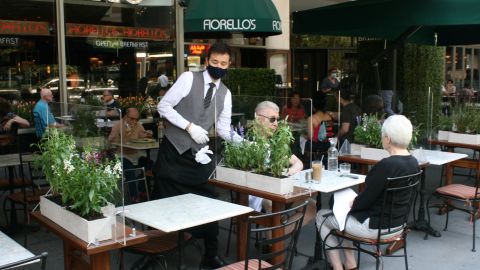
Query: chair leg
point(428, 213)
point(475, 213)
point(405, 255)
point(446, 220)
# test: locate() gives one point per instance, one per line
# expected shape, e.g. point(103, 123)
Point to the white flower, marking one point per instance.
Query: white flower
point(108, 170)
point(118, 168)
point(67, 165)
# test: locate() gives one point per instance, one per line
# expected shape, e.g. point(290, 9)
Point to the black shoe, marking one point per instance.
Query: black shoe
point(214, 262)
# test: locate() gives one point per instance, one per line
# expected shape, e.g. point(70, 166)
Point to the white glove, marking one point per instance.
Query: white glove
point(198, 134)
point(202, 157)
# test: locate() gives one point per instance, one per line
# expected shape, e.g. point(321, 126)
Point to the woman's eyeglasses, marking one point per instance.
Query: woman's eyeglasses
point(272, 119)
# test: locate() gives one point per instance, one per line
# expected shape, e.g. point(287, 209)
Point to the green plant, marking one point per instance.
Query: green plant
point(84, 124)
point(251, 81)
point(465, 119)
point(264, 151)
point(369, 132)
point(86, 180)
point(280, 151)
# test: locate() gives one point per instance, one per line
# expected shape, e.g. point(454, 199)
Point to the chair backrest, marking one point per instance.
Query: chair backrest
point(398, 197)
point(291, 222)
point(42, 257)
point(39, 124)
point(133, 179)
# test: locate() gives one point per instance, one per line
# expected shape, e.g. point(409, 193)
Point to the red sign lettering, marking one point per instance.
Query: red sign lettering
point(24, 28)
point(110, 31)
point(198, 49)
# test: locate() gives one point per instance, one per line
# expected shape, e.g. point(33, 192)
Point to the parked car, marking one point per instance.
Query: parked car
point(75, 89)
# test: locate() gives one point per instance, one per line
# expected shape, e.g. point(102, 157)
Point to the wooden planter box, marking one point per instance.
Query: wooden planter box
point(270, 184)
point(232, 176)
point(87, 230)
point(373, 153)
point(464, 138)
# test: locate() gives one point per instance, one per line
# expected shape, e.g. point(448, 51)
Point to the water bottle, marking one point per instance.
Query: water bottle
point(332, 155)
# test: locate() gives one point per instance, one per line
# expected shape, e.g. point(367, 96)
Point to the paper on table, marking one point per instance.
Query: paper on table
point(341, 205)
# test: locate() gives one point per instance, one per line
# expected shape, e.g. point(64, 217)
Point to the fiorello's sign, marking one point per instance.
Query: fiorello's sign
point(236, 25)
point(229, 24)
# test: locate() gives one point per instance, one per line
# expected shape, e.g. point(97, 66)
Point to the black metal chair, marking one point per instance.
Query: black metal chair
point(399, 193)
point(460, 197)
point(159, 243)
point(42, 257)
point(291, 220)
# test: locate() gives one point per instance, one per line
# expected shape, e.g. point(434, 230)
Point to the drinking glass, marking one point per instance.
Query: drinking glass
point(345, 168)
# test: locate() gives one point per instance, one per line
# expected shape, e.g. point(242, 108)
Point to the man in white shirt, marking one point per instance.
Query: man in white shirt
point(196, 102)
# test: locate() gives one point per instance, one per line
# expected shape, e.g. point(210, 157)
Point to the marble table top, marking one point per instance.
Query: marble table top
point(330, 181)
point(12, 251)
point(182, 212)
point(435, 157)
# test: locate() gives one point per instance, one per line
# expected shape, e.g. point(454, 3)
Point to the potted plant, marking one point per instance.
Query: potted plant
point(83, 182)
point(465, 125)
point(369, 133)
point(261, 161)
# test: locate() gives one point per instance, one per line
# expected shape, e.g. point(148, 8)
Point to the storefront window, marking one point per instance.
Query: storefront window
point(120, 47)
point(108, 44)
point(28, 54)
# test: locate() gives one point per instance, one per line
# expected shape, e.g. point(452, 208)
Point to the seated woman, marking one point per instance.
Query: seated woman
point(294, 109)
point(321, 129)
point(396, 135)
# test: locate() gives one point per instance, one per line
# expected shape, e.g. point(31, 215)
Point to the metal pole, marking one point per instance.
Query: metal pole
point(179, 31)
point(62, 64)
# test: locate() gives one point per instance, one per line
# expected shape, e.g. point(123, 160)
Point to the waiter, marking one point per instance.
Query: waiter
point(191, 107)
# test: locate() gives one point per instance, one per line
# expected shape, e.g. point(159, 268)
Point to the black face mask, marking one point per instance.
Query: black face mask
point(216, 72)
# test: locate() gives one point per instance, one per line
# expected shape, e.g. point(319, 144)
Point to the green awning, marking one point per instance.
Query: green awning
point(210, 18)
point(449, 22)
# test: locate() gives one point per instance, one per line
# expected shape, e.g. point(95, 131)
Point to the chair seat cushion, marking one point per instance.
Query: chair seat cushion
point(390, 239)
point(458, 190)
point(252, 265)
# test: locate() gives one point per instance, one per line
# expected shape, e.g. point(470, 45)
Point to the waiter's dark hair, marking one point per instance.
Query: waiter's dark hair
point(220, 48)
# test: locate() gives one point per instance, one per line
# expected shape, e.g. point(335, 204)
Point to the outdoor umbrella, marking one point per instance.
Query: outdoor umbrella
point(219, 18)
point(441, 22)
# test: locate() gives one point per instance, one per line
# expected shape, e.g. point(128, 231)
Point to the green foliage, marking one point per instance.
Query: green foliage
point(421, 69)
point(251, 81)
point(84, 124)
point(264, 152)
point(369, 132)
point(85, 179)
point(445, 123)
point(280, 151)
point(465, 119)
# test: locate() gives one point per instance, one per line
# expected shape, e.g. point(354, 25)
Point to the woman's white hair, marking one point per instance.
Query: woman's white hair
point(262, 106)
point(399, 129)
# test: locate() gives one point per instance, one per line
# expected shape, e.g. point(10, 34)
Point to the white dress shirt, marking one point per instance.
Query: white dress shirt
point(181, 89)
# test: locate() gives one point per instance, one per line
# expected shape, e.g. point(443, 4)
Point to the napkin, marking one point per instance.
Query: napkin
point(202, 157)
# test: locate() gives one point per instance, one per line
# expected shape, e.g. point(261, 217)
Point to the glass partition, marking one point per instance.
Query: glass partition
point(81, 151)
point(285, 124)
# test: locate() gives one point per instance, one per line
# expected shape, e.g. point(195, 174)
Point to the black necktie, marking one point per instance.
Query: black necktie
point(208, 97)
